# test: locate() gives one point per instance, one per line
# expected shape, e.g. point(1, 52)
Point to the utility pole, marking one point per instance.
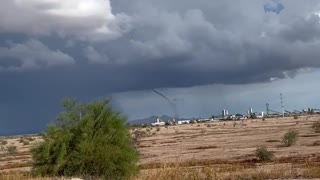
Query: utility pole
point(282, 107)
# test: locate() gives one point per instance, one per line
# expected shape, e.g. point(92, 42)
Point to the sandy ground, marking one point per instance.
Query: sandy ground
point(203, 141)
point(21, 160)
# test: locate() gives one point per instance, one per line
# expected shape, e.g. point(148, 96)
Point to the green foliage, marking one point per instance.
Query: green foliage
point(12, 150)
point(263, 154)
point(290, 138)
point(95, 145)
point(316, 126)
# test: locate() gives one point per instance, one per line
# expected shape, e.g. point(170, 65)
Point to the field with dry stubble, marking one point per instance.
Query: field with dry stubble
point(213, 150)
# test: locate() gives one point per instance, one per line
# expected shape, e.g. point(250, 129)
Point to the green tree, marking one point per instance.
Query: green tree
point(89, 140)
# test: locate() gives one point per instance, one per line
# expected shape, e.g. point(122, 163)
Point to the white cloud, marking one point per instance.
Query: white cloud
point(85, 19)
point(32, 54)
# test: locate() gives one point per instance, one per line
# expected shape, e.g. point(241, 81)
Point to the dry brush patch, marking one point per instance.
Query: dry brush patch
point(228, 172)
point(28, 176)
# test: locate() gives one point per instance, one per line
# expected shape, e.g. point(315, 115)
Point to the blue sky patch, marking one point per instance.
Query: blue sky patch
point(273, 6)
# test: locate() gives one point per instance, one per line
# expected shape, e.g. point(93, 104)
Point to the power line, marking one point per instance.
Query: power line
point(282, 107)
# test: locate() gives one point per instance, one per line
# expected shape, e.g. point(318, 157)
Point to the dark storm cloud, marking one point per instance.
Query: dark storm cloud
point(146, 44)
point(306, 30)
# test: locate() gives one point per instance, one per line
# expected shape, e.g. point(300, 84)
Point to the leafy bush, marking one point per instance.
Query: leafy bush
point(316, 126)
point(12, 150)
point(263, 154)
point(94, 145)
point(290, 138)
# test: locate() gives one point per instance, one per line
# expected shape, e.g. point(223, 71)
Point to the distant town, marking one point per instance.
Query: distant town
point(225, 116)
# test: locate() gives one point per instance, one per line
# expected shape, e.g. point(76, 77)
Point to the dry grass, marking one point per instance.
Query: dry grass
point(231, 172)
point(212, 172)
point(28, 176)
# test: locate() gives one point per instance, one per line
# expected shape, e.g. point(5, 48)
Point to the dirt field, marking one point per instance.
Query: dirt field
point(228, 141)
point(205, 146)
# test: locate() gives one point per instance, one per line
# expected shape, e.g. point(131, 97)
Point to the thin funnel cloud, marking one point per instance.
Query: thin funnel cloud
point(172, 104)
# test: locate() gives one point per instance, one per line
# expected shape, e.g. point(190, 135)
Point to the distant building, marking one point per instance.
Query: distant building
point(260, 115)
point(184, 122)
point(241, 117)
point(158, 122)
point(225, 114)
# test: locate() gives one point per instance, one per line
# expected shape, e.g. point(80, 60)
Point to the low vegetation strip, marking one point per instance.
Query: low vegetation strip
point(203, 147)
point(233, 171)
point(313, 161)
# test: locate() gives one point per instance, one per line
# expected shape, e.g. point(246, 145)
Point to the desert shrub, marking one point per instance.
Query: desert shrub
point(263, 154)
point(4, 142)
point(154, 133)
point(295, 117)
point(30, 138)
point(316, 126)
point(12, 150)
point(25, 142)
point(95, 145)
point(158, 128)
point(290, 138)
point(137, 134)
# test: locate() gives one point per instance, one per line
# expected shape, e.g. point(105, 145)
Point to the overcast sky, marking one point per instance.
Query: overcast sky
point(205, 55)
